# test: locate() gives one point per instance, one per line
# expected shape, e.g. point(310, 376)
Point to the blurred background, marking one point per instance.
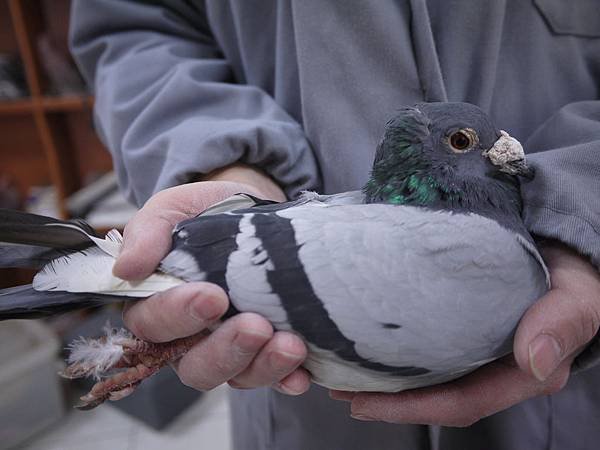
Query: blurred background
point(52, 163)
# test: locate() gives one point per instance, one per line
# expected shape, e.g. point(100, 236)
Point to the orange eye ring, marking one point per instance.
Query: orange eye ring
point(463, 140)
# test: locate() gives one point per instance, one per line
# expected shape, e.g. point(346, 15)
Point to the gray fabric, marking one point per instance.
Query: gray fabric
point(565, 421)
point(167, 106)
point(312, 421)
point(187, 86)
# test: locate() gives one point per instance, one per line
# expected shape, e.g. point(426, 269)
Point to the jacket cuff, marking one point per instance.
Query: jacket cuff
point(572, 230)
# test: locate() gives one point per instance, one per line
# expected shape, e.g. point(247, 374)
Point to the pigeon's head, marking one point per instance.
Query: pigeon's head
point(463, 138)
point(444, 154)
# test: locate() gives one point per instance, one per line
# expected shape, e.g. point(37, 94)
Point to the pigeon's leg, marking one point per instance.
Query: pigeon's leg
point(116, 387)
point(120, 362)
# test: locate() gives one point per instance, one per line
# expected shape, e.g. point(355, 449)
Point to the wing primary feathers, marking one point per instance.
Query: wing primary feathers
point(31, 241)
point(30, 229)
point(24, 302)
point(27, 256)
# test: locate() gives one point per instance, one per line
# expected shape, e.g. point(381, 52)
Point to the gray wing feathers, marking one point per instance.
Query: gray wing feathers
point(344, 198)
point(246, 275)
point(441, 277)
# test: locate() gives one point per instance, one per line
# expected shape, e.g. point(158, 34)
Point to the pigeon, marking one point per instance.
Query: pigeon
point(419, 278)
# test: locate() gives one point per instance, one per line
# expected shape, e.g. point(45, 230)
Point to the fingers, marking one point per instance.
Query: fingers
point(178, 312)
point(343, 396)
point(563, 321)
point(242, 351)
point(275, 364)
point(225, 353)
point(461, 403)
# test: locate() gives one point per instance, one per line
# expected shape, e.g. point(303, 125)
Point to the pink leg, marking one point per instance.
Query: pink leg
point(135, 361)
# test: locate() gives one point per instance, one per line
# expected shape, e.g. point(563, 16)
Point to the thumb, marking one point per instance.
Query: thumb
point(147, 236)
point(557, 327)
point(147, 240)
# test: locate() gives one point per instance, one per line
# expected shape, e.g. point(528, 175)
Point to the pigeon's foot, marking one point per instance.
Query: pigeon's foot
point(120, 362)
point(116, 387)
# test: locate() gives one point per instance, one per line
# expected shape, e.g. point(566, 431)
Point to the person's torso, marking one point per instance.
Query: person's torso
point(342, 68)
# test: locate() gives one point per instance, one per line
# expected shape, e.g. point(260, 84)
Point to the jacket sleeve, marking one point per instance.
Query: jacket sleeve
point(563, 200)
point(167, 105)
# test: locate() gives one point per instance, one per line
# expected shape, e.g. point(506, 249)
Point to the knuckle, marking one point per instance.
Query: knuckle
point(160, 197)
point(195, 375)
point(168, 220)
point(222, 370)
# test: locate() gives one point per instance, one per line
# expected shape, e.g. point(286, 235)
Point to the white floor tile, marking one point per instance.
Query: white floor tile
point(205, 435)
point(118, 442)
point(104, 423)
point(205, 425)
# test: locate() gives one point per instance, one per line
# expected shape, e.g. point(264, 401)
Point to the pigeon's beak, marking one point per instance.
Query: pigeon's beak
point(508, 155)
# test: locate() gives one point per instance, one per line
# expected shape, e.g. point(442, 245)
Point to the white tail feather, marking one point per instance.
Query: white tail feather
point(91, 271)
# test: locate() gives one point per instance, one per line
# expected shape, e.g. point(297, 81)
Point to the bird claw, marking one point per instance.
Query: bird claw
point(120, 362)
point(117, 386)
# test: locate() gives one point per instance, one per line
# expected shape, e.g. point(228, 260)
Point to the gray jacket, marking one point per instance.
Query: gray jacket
point(302, 89)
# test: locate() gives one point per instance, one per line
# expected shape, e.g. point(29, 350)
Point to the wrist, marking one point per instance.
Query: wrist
point(251, 176)
point(568, 268)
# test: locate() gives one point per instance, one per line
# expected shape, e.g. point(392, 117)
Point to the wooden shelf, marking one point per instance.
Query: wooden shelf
point(67, 103)
point(16, 107)
point(45, 139)
point(71, 103)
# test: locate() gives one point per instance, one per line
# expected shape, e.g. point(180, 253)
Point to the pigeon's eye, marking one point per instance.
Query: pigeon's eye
point(462, 141)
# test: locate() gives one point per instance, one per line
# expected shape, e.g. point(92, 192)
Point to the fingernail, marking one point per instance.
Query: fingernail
point(250, 341)
point(289, 390)
point(359, 416)
point(342, 395)
point(283, 361)
point(205, 310)
point(545, 355)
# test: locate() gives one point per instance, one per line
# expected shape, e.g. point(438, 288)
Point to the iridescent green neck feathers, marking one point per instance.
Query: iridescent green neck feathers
point(404, 178)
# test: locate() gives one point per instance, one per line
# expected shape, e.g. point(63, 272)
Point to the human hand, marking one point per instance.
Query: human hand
point(243, 351)
point(550, 335)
